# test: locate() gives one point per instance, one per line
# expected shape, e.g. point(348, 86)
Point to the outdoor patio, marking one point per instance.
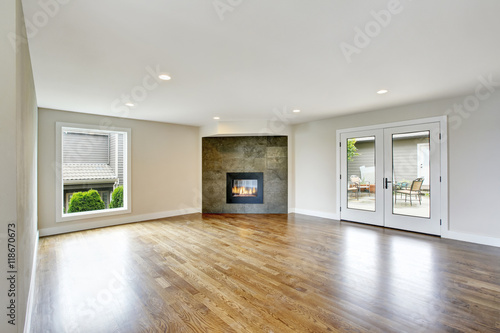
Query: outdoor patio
point(366, 201)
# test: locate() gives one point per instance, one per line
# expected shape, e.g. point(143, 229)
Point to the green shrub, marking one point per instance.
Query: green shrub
point(85, 201)
point(117, 198)
point(351, 149)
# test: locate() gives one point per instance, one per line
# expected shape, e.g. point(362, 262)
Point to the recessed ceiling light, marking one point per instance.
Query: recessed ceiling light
point(164, 77)
point(382, 91)
point(296, 111)
point(130, 104)
point(216, 118)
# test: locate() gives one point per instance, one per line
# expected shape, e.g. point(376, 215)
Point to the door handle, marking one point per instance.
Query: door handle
point(386, 181)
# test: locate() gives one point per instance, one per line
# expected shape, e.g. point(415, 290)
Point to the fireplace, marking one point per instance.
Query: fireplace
point(259, 158)
point(245, 187)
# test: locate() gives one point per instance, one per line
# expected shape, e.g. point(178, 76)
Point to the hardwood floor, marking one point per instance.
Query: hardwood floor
point(263, 273)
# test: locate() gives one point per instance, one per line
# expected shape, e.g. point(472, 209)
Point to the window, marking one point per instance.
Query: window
point(93, 162)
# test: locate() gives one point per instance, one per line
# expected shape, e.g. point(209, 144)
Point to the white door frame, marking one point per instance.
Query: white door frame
point(443, 125)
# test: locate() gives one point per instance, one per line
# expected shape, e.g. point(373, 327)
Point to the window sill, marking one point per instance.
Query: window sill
point(92, 214)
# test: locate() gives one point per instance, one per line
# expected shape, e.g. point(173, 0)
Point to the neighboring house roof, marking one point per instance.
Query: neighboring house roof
point(78, 173)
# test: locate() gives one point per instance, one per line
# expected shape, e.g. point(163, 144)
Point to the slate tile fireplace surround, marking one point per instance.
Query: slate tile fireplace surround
point(245, 174)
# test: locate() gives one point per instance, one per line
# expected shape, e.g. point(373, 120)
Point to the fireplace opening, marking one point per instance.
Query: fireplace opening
point(245, 187)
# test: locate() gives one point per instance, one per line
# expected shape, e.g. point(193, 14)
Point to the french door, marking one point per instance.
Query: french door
point(391, 177)
point(362, 176)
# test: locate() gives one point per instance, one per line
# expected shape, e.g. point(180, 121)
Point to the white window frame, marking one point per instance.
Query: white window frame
point(127, 197)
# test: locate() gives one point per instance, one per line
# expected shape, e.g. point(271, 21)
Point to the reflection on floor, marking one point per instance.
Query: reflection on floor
point(366, 201)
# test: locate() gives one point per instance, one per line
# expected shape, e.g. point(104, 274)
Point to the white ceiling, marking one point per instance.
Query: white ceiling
point(264, 55)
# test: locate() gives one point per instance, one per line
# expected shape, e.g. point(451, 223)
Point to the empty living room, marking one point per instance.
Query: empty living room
point(249, 166)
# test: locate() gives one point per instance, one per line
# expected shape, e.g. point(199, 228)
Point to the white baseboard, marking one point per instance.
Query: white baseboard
point(326, 215)
point(31, 293)
point(484, 240)
point(116, 221)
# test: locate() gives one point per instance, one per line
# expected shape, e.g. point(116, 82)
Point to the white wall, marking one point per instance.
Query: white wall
point(18, 202)
point(474, 163)
point(247, 127)
point(8, 151)
point(166, 170)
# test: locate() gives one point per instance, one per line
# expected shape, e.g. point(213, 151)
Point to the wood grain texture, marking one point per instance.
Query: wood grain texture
point(263, 273)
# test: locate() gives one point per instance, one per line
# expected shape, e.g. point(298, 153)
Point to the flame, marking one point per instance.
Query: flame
point(244, 191)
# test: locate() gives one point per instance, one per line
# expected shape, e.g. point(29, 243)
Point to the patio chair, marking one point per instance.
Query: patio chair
point(353, 186)
point(415, 189)
point(400, 186)
point(356, 180)
point(403, 185)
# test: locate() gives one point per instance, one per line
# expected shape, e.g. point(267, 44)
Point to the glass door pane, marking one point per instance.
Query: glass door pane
point(362, 172)
point(411, 174)
point(361, 189)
